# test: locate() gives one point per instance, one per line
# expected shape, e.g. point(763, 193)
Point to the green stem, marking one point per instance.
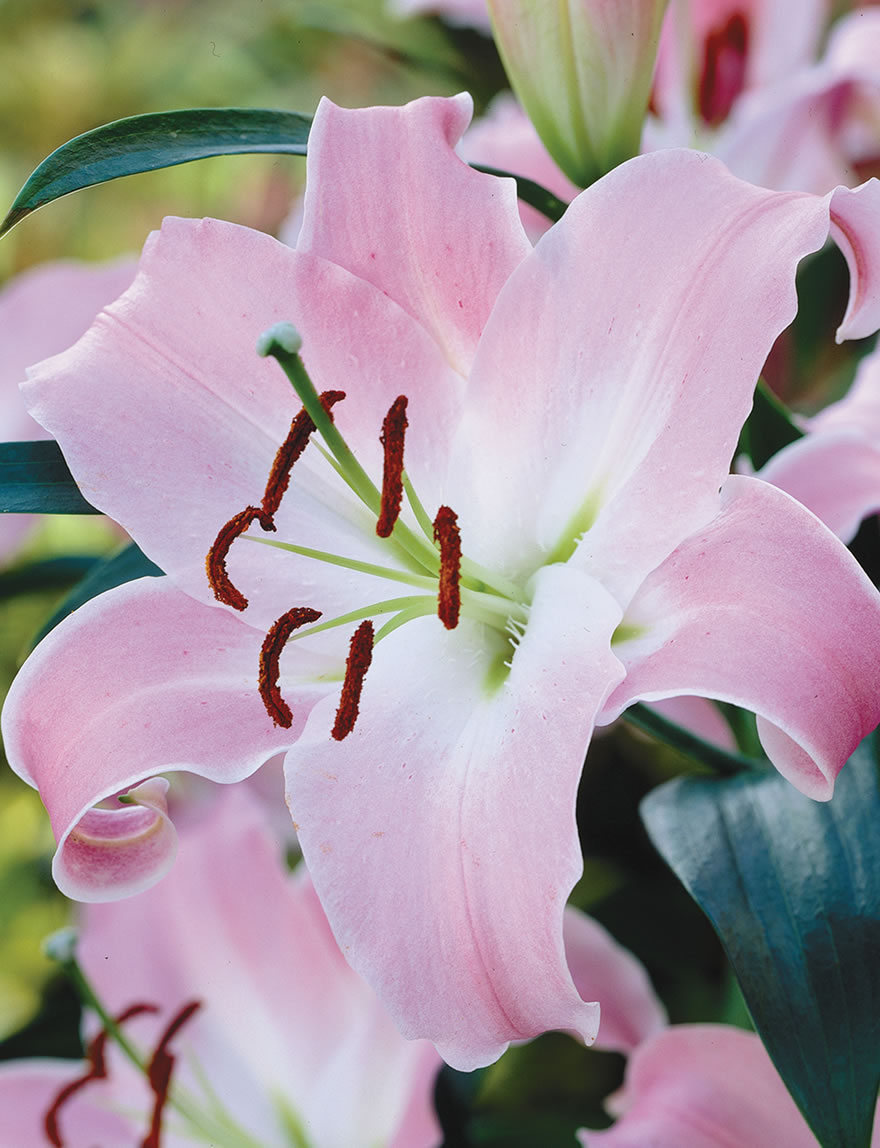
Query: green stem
point(722, 761)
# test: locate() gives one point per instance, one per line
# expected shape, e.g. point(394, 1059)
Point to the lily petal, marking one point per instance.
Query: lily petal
point(419, 245)
point(658, 363)
point(763, 608)
point(171, 684)
point(605, 971)
point(706, 1086)
point(453, 828)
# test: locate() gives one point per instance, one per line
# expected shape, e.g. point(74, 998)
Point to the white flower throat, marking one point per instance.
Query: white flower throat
point(430, 558)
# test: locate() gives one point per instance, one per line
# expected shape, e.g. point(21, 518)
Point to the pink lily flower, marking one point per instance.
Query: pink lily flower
point(704, 1086)
point(835, 468)
point(573, 409)
point(44, 311)
point(286, 1036)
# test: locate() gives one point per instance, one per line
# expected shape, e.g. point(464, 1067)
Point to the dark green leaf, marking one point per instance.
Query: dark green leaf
point(124, 566)
point(34, 479)
point(46, 574)
point(768, 428)
point(157, 140)
point(529, 192)
point(672, 734)
point(792, 887)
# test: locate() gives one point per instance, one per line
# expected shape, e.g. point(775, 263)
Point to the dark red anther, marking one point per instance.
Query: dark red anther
point(360, 654)
point(270, 654)
point(447, 534)
point(215, 563)
point(723, 75)
point(97, 1070)
point(393, 432)
point(296, 442)
point(159, 1071)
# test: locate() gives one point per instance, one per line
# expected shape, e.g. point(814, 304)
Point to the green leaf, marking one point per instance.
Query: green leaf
point(792, 887)
point(45, 574)
point(34, 479)
point(769, 427)
point(159, 139)
point(124, 566)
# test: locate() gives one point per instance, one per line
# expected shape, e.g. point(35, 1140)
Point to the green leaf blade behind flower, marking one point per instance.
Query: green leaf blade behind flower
point(35, 479)
point(792, 887)
point(157, 140)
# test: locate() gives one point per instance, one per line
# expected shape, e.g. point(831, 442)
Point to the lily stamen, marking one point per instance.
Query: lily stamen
point(270, 653)
point(360, 654)
point(97, 1070)
point(448, 536)
point(392, 439)
point(160, 1068)
point(297, 440)
point(215, 562)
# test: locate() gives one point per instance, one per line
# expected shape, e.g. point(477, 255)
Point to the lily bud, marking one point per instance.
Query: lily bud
point(582, 70)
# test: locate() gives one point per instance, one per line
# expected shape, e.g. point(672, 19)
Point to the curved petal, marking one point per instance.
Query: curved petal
point(764, 608)
point(444, 852)
point(29, 1087)
point(859, 409)
point(408, 222)
point(704, 1086)
point(170, 685)
point(854, 214)
point(834, 474)
point(283, 1016)
point(605, 971)
point(505, 138)
point(657, 364)
point(170, 421)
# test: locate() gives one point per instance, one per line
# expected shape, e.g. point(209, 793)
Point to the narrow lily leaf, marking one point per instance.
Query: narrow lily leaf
point(156, 140)
point(124, 566)
point(792, 887)
point(719, 760)
point(47, 574)
point(34, 479)
point(769, 427)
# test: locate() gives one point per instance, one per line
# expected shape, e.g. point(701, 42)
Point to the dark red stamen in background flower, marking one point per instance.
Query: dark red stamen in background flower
point(447, 534)
point(97, 1070)
point(296, 442)
point(393, 431)
point(723, 76)
point(215, 563)
point(360, 654)
point(160, 1068)
point(270, 653)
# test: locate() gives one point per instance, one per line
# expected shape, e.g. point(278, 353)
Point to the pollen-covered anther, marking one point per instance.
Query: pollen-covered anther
point(97, 1070)
point(270, 653)
point(448, 537)
point(392, 438)
point(301, 430)
point(160, 1068)
point(360, 654)
point(215, 562)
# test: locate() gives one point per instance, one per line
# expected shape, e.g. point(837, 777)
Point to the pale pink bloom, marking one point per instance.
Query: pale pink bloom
point(577, 405)
point(44, 311)
point(704, 1086)
point(286, 1035)
point(835, 468)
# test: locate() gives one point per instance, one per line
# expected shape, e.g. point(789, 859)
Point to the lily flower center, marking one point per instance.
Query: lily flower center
point(426, 557)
